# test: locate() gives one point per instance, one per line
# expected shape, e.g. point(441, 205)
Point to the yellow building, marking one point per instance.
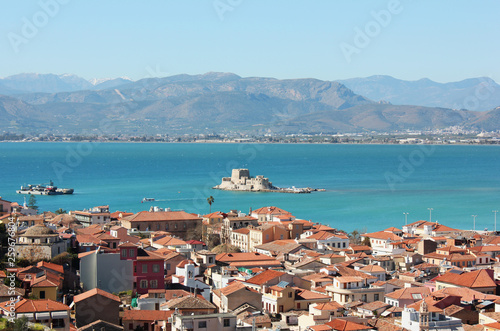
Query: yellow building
point(43, 288)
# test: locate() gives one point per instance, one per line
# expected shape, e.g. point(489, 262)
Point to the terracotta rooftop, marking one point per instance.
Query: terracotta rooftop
point(324, 235)
point(189, 302)
point(33, 306)
point(265, 276)
point(52, 266)
point(345, 325)
point(272, 210)
point(373, 268)
point(474, 279)
point(410, 293)
point(382, 235)
point(95, 291)
point(147, 315)
point(237, 257)
point(146, 216)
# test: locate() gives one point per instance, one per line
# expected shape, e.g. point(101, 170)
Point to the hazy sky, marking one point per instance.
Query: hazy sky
point(442, 40)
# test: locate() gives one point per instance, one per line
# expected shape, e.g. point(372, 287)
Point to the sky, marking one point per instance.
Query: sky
point(324, 39)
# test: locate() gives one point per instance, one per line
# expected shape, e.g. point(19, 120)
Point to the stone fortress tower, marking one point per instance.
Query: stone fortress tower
point(242, 181)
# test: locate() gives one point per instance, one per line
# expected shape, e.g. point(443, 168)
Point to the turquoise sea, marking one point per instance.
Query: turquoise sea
point(367, 186)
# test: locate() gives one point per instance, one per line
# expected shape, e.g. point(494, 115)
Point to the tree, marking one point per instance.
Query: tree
point(60, 211)
point(366, 242)
point(32, 202)
point(210, 200)
point(21, 324)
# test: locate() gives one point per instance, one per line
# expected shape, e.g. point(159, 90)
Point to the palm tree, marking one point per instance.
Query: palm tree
point(210, 200)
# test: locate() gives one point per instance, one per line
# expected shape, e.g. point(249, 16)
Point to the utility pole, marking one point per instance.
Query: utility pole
point(474, 216)
point(495, 211)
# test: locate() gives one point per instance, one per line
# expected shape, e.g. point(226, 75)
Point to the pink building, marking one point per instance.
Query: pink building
point(148, 268)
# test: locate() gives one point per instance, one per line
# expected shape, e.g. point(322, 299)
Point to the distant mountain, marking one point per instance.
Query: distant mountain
point(471, 94)
point(102, 84)
point(224, 102)
point(47, 83)
point(383, 118)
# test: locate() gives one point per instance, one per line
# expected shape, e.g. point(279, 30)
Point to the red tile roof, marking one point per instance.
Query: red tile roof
point(146, 216)
point(272, 210)
point(32, 306)
point(265, 277)
point(147, 315)
point(344, 325)
point(52, 266)
point(93, 292)
point(383, 236)
point(474, 279)
point(240, 257)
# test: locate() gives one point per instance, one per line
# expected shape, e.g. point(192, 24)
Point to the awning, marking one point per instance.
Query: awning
point(28, 315)
point(43, 316)
point(60, 314)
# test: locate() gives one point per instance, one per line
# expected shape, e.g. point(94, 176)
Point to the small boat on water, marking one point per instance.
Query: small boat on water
point(44, 189)
point(147, 199)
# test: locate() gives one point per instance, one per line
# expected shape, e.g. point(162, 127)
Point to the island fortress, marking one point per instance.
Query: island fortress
point(240, 180)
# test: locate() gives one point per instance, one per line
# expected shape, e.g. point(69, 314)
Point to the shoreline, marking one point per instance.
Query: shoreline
point(256, 143)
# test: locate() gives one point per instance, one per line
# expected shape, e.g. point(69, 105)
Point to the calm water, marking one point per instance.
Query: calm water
point(367, 186)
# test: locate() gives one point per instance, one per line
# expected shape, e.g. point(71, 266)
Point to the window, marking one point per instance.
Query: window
point(144, 268)
point(124, 253)
point(202, 324)
point(58, 323)
point(131, 252)
point(289, 294)
point(298, 305)
point(168, 266)
point(42, 294)
point(210, 260)
point(153, 283)
point(156, 268)
point(130, 326)
point(227, 322)
point(376, 297)
point(281, 236)
point(363, 298)
point(166, 226)
point(144, 283)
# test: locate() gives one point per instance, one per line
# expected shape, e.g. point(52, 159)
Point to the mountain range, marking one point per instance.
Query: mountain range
point(225, 102)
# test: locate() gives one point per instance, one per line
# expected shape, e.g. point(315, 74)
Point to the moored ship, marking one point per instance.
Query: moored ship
point(41, 189)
